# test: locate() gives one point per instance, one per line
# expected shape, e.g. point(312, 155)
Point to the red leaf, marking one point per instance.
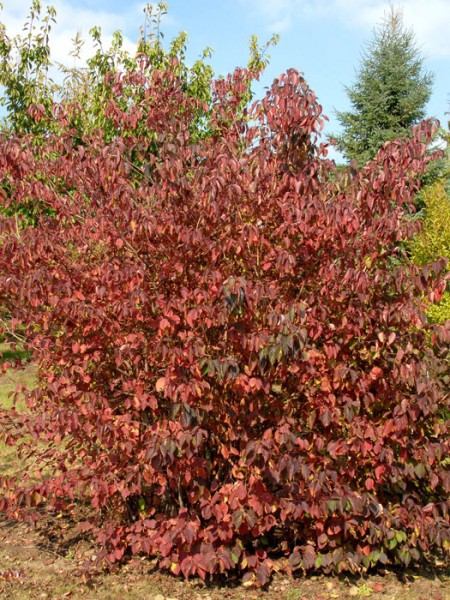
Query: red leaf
point(370, 485)
point(164, 324)
point(118, 553)
point(379, 471)
point(160, 384)
point(376, 373)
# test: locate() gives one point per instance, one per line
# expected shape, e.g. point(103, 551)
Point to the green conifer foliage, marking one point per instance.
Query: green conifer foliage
point(390, 92)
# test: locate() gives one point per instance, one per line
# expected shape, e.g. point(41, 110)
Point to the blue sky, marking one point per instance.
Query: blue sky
point(321, 38)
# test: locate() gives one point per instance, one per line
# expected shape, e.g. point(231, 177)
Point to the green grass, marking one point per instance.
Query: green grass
point(14, 377)
point(9, 382)
point(9, 461)
point(8, 354)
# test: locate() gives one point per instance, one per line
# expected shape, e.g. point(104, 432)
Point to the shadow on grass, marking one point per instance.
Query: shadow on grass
point(10, 352)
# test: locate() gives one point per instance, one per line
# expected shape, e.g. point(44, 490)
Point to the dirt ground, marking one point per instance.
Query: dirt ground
point(44, 563)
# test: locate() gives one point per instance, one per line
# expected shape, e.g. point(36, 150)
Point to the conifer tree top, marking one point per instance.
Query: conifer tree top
point(390, 92)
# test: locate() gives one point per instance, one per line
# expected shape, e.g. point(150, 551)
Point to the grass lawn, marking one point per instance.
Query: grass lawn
point(8, 384)
point(43, 563)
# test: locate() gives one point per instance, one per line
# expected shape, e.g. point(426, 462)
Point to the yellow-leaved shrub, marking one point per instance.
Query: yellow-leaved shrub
point(433, 242)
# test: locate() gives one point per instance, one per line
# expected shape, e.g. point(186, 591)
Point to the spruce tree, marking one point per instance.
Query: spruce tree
point(390, 92)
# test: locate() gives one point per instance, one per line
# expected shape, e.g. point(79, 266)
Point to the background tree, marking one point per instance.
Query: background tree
point(24, 70)
point(32, 87)
point(390, 92)
point(28, 76)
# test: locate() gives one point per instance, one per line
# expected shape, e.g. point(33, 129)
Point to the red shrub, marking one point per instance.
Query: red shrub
point(233, 364)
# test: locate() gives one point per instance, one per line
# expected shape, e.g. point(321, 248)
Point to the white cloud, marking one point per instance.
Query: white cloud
point(282, 14)
point(429, 20)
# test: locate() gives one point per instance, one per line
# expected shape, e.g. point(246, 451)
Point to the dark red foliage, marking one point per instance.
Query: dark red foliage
point(234, 362)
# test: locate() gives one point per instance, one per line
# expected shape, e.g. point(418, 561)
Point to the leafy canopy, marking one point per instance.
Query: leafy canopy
point(230, 370)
